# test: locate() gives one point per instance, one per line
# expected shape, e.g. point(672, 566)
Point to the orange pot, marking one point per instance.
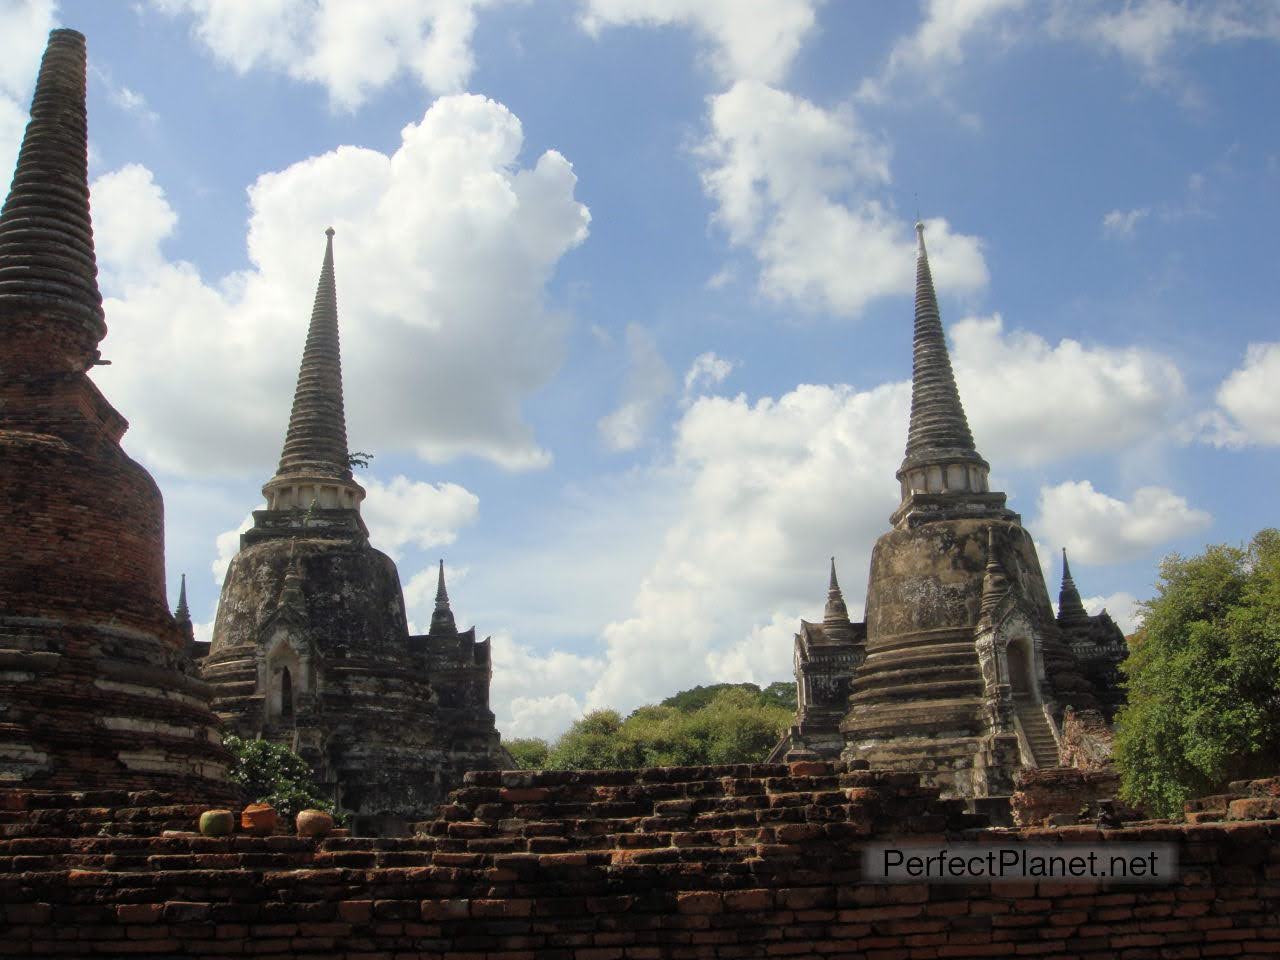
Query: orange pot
point(259, 819)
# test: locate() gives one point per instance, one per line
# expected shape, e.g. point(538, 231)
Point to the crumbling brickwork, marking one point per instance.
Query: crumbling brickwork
point(707, 862)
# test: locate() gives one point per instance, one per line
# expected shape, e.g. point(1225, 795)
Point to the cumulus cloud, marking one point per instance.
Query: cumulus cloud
point(940, 41)
point(1122, 606)
point(227, 545)
point(529, 693)
point(1031, 402)
point(1249, 411)
point(796, 184)
point(706, 371)
point(408, 512)
point(648, 384)
point(421, 233)
point(351, 49)
point(24, 29)
point(756, 40)
point(1097, 528)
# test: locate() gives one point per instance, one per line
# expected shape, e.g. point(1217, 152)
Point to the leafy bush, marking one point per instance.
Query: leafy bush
point(529, 753)
point(1204, 677)
point(272, 773)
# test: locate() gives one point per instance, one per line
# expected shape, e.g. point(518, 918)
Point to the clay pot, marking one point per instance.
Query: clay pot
point(259, 819)
point(217, 823)
point(314, 823)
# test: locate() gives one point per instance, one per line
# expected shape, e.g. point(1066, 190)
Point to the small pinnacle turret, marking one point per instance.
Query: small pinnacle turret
point(314, 464)
point(1071, 609)
point(47, 262)
point(995, 581)
point(836, 612)
point(442, 617)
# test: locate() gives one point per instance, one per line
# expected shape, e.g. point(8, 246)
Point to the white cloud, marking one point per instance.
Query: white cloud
point(529, 689)
point(753, 39)
point(1030, 402)
point(939, 41)
point(1249, 407)
point(351, 49)
point(796, 184)
point(1122, 606)
point(421, 235)
point(407, 512)
point(706, 371)
point(24, 30)
point(1097, 528)
point(227, 544)
point(1121, 223)
point(648, 384)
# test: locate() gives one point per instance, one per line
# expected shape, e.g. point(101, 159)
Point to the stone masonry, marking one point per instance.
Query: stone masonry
point(960, 671)
point(96, 688)
point(311, 647)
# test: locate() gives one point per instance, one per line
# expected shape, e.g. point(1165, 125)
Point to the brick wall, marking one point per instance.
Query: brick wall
point(610, 865)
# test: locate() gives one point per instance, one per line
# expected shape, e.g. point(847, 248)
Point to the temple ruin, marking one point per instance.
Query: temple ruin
point(311, 647)
point(960, 671)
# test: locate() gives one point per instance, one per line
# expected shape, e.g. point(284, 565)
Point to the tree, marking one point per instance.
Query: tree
point(272, 773)
point(735, 723)
point(529, 753)
point(1204, 677)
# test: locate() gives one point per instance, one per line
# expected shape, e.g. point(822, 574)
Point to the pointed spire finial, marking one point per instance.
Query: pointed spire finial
point(833, 585)
point(183, 613)
point(938, 424)
point(47, 262)
point(315, 445)
point(442, 618)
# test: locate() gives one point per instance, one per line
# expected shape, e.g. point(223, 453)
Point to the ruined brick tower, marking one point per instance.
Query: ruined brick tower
point(96, 688)
point(311, 647)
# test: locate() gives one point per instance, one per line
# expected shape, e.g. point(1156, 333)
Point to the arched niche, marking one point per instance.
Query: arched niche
point(282, 676)
point(1020, 663)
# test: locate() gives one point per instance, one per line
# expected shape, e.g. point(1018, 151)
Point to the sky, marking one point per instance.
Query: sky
point(625, 292)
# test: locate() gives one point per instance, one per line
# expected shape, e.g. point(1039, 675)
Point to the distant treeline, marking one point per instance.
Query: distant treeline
point(721, 723)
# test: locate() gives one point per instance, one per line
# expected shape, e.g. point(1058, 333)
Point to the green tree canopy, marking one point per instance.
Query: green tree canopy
point(1204, 677)
point(272, 773)
point(734, 723)
point(529, 753)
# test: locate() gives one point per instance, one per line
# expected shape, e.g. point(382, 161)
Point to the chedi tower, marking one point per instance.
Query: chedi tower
point(96, 688)
point(966, 674)
point(311, 646)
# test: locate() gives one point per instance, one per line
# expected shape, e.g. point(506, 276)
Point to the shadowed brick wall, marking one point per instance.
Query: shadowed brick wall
point(758, 861)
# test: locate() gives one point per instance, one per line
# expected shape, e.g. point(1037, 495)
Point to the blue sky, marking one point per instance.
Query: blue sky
point(625, 286)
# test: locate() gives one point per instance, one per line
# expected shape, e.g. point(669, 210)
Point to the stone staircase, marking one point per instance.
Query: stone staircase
point(1035, 727)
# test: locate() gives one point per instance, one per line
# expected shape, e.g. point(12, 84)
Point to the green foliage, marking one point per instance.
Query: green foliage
point(1204, 677)
point(783, 693)
point(359, 459)
point(272, 773)
point(529, 753)
point(780, 694)
point(728, 723)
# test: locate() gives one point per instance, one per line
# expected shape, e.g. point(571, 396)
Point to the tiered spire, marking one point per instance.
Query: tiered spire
point(1071, 609)
point(442, 617)
point(47, 263)
point(316, 442)
point(938, 423)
